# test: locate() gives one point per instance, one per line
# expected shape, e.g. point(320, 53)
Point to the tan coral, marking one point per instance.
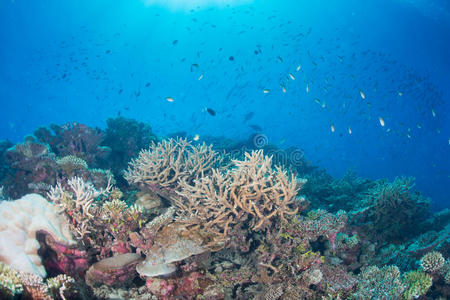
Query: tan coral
point(165, 163)
point(252, 188)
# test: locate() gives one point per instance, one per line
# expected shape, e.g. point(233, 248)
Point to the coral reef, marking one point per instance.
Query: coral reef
point(233, 220)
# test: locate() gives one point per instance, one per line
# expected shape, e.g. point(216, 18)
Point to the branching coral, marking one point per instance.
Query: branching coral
point(432, 262)
point(163, 165)
point(252, 189)
point(10, 283)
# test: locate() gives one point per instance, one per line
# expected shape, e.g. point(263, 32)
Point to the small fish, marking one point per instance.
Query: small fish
point(280, 59)
point(107, 51)
point(255, 127)
point(324, 105)
point(317, 100)
point(196, 137)
point(381, 121)
point(175, 42)
point(211, 111)
point(248, 116)
point(170, 99)
point(433, 113)
point(349, 130)
point(332, 128)
point(120, 91)
point(298, 68)
point(362, 94)
point(201, 77)
point(400, 93)
point(292, 76)
point(147, 84)
point(266, 91)
point(419, 126)
point(307, 88)
point(408, 135)
point(231, 58)
point(194, 67)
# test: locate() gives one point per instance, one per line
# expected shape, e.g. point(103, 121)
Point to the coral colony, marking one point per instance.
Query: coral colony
point(124, 214)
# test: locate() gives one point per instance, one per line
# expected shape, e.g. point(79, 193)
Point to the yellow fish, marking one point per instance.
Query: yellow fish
point(170, 99)
point(196, 137)
point(381, 121)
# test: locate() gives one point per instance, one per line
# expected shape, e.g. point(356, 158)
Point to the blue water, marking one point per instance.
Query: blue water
point(86, 60)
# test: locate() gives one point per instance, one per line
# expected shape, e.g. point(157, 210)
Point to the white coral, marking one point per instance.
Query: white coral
point(19, 222)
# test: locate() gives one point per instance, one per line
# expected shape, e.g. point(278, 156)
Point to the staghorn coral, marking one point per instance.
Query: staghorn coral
point(100, 220)
point(252, 189)
point(76, 199)
point(163, 165)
